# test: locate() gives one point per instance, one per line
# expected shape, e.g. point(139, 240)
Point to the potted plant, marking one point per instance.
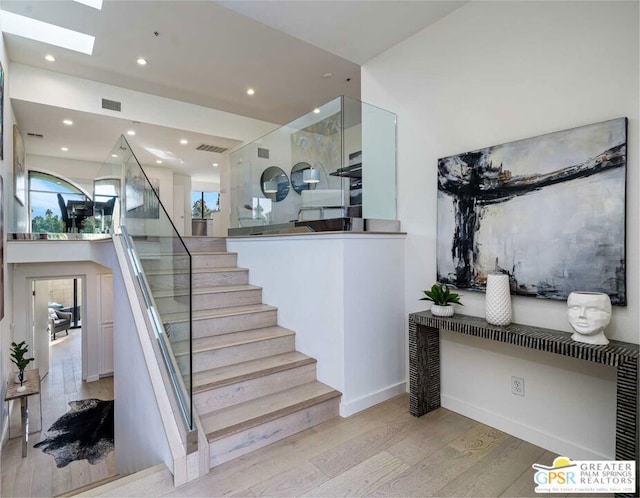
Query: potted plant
point(18, 352)
point(442, 298)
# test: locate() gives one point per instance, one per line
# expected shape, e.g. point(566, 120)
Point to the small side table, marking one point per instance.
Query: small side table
point(32, 384)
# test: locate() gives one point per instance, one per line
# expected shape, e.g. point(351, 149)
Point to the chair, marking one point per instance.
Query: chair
point(250, 217)
point(59, 321)
point(64, 213)
point(321, 205)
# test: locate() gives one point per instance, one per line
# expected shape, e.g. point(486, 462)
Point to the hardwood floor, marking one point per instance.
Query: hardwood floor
point(37, 474)
point(382, 451)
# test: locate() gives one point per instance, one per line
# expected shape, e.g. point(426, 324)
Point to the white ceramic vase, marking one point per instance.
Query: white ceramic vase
point(498, 299)
point(438, 310)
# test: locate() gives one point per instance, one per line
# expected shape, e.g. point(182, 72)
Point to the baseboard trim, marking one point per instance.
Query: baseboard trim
point(528, 433)
point(348, 408)
point(93, 378)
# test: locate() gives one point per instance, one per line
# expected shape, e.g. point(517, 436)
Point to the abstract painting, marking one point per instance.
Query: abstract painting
point(19, 176)
point(142, 197)
point(549, 211)
point(1, 112)
point(1, 249)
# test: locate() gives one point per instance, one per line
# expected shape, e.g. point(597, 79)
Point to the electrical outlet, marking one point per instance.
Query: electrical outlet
point(517, 386)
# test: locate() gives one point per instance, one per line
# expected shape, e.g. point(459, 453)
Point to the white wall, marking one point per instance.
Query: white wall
point(342, 295)
point(490, 73)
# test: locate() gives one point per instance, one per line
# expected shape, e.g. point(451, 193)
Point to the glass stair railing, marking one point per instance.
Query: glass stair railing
point(161, 262)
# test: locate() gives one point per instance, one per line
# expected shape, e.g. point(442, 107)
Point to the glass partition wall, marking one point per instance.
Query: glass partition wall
point(331, 169)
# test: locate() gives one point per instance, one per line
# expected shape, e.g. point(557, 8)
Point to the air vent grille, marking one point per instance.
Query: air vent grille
point(112, 105)
point(263, 153)
point(211, 148)
point(35, 135)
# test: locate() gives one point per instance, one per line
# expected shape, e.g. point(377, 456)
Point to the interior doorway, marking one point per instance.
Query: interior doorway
point(56, 310)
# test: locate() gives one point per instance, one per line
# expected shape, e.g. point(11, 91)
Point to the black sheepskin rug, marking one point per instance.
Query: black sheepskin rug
point(84, 432)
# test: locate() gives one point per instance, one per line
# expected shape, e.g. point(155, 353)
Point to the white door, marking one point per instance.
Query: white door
point(178, 208)
point(40, 320)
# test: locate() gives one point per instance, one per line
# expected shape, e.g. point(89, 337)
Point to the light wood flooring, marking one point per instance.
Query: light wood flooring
point(382, 451)
point(37, 474)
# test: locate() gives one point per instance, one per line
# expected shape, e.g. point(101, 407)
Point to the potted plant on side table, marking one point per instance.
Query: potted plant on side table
point(442, 299)
point(18, 352)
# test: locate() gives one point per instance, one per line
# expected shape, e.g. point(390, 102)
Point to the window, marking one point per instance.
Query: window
point(203, 204)
point(45, 192)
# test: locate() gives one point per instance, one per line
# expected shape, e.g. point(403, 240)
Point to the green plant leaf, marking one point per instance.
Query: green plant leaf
point(441, 295)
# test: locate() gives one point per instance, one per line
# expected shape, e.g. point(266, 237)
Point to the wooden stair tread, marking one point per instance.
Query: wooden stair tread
point(205, 290)
point(185, 271)
point(217, 312)
point(240, 372)
point(148, 255)
point(243, 416)
point(137, 479)
point(232, 339)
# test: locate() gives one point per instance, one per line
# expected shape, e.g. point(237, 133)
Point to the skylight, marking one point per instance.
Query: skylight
point(46, 33)
point(96, 4)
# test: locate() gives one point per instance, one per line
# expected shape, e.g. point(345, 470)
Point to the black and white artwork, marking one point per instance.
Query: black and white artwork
point(142, 197)
point(549, 211)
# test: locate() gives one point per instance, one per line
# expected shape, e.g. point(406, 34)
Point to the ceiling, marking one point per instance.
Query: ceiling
point(207, 53)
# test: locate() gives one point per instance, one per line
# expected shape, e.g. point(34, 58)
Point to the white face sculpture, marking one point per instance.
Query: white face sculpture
point(589, 313)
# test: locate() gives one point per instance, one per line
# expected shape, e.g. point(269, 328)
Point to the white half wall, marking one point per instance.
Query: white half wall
point(343, 296)
point(490, 73)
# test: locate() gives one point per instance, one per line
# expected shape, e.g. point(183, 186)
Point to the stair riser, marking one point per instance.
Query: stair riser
point(231, 355)
point(209, 301)
point(198, 262)
point(236, 445)
point(199, 280)
point(232, 394)
point(203, 244)
point(224, 325)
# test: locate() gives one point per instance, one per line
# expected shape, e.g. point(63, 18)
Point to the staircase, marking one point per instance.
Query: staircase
point(250, 386)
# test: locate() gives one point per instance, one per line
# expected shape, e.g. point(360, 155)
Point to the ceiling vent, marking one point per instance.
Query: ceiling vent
point(111, 105)
point(211, 148)
point(35, 135)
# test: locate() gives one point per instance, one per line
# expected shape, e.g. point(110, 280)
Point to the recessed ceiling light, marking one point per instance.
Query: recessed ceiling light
point(68, 122)
point(114, 155)
point(250, 91)
point(316, 111)
point(215, 165)
point(184, 141)
point(64, 149)
point(50, 58)
point(142, 61)
point(131, 133)
point(158, 161)
point(327, 75)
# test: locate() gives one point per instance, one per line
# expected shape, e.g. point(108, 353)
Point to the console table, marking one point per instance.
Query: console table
point(424, 364)
point(32, 385)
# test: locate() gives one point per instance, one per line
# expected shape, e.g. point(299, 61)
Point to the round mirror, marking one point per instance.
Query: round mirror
point(274, 183)
point(297, 181)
